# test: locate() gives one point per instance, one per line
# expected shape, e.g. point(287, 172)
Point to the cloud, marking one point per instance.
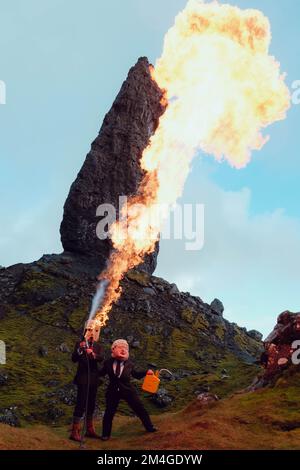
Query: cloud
point(251, 262)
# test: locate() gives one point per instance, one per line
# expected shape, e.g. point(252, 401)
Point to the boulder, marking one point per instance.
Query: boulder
point(149, 290)
point(162, 398)
point(9, 416)
point(43, 351)
point(255, 335)
point(173, 289)
point(217, 307)
point(3, 378)
point(64, 348)
point(207, 398)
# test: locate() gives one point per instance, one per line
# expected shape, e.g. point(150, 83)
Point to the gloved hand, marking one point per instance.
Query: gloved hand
point(90, 352)
point(82, 347)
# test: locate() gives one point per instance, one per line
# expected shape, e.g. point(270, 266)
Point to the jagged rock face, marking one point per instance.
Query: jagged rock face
point(112, 166)
point(286, 330)
point(279, 345)
point(279, 348)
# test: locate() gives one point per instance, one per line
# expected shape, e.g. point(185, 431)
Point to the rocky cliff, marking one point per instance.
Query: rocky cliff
point(111, 168)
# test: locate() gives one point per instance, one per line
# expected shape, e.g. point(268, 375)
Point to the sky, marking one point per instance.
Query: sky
point(63, 64)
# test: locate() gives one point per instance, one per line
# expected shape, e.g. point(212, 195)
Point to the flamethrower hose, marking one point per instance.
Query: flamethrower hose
point(84, 427)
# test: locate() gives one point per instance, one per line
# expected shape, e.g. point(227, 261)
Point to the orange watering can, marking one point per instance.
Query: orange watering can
point(151, 382)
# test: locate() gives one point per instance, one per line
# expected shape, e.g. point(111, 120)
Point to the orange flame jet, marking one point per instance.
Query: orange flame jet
point(222, 88)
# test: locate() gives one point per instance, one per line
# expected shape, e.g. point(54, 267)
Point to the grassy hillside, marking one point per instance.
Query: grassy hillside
point(44, 308)
point(265, 419)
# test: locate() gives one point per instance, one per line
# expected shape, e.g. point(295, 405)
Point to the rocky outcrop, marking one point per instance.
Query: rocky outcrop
point(205, 399)
point(279, 349)
point(286, 330)
point(111, 168)
point(217, 307)
point(255, 335)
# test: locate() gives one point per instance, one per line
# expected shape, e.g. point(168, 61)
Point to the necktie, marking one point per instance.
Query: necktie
point(118, 368)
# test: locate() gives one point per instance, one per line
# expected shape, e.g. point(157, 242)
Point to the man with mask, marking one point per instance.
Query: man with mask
point(88, 354)
point(120, 369)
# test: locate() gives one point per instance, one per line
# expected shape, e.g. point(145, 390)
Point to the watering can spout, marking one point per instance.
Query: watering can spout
point(166, 370)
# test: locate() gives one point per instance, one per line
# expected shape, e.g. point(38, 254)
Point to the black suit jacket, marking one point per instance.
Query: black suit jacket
point(121, 384)
point(84, 361)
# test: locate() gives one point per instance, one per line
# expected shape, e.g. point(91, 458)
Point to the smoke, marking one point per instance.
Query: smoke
point(98, 297)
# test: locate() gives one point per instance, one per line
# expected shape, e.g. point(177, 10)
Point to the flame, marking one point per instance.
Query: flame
point(222, 88)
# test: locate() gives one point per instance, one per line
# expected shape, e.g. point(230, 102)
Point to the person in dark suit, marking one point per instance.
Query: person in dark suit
point(87, 353)
point(120, 369)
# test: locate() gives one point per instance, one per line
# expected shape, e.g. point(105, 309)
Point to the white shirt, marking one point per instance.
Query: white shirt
point(121, 367)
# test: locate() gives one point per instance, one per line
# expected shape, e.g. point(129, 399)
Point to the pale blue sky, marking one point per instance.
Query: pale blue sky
point(63, 64)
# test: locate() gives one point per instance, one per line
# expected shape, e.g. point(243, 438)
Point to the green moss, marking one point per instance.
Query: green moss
point(37, 281)
point(142, 278)
point(188, 315)
point(240, 375)
point(28, 372)
point(179, 347)
point(77, 316)
point(200, 322)
point(220, 332)
point(240, 339)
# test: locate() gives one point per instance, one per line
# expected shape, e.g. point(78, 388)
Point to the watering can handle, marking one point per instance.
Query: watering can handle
point(166, 371)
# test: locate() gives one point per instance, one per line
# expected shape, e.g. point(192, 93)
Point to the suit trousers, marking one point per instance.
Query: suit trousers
point(112, 401)
point(82, 392)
